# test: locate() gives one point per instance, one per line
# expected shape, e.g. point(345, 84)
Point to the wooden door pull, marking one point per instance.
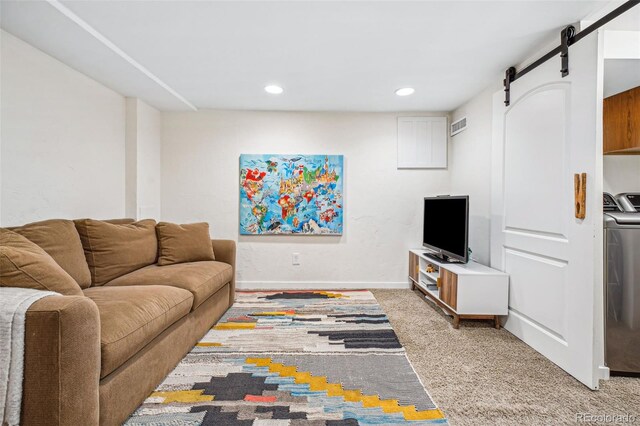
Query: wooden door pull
point(580, 193)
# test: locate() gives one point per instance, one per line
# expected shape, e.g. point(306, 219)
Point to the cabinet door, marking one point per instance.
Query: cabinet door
point(622, 123)
point(449, 288)
point(414, 266)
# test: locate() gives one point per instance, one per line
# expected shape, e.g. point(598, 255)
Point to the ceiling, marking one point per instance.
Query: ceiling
point(328, 56)
point(628, 21)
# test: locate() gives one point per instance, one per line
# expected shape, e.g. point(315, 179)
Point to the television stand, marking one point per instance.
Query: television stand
point(463, 290)
point(441, 258)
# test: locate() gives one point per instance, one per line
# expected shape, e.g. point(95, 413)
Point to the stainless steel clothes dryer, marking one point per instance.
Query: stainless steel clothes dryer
point(629, 201)
point(622, 292)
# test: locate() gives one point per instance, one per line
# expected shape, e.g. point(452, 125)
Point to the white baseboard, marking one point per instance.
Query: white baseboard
point(318, 285)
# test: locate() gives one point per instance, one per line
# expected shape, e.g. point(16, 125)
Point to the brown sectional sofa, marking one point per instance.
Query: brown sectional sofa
point(93, 358)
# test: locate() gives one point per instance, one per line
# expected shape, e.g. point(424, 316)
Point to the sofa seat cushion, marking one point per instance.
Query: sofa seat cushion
point(131, 317)
point(202, 279)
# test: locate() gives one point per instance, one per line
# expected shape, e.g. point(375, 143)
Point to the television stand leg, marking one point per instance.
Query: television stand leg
point(497, 320)
point(456, 321)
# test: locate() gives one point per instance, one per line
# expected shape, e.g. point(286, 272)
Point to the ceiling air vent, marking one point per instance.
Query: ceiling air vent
point(458, 126)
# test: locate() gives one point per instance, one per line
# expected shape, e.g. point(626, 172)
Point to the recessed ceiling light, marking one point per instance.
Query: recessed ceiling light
point(273, 89)
point(405, 91)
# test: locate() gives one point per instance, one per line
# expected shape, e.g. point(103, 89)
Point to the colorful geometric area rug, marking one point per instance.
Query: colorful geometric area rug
point(289, 358)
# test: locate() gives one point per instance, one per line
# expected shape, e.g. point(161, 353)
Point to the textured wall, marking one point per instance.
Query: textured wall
point(63, 151)
point(383, 205)
point(470, 166)
point(143, 141)
point(621, 173)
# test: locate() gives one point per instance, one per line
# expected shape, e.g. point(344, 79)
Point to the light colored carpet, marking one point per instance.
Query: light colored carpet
point(482, 376)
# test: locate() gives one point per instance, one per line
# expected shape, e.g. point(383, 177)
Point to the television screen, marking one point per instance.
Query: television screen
point(445, 225)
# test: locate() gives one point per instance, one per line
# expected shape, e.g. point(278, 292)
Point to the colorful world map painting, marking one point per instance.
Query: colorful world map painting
point(291, 194)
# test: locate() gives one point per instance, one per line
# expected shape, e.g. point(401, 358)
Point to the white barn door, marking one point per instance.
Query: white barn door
point(551, 130)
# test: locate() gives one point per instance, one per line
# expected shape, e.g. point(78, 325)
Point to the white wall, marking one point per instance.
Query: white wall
point(622, 55)
point(621, 173)
point(383, 205)
point(149, 161)
point(470, 167)
point(131, 158)
point(63, 140)
point(143, 147)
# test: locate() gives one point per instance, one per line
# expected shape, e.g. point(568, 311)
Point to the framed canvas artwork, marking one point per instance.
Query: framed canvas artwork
point(291, 194)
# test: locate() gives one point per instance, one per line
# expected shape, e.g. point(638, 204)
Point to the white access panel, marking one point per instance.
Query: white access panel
point(422, 142)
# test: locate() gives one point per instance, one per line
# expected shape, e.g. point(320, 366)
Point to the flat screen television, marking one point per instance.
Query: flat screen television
point(446, 227)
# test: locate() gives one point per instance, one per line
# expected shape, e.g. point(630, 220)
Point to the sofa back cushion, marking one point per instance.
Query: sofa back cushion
point(183, 243)
point(113, 250)
point(120, 221)
point(59, 238)
point(24, 264)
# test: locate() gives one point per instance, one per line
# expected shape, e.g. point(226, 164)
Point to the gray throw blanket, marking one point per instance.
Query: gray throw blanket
point(14, 303)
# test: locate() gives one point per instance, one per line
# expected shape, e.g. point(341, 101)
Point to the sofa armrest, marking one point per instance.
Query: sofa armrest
point(225, 251)
point(61, 362)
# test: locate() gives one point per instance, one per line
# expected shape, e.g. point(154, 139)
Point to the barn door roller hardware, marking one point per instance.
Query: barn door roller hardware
point(568, 37)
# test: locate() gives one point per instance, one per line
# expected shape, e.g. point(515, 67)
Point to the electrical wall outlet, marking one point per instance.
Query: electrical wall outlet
point(295, 259)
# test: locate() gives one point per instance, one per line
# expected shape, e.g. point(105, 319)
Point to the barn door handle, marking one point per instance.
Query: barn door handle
point(580, 193)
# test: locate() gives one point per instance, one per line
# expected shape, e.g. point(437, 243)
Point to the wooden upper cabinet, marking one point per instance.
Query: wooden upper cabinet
point(622, 123)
